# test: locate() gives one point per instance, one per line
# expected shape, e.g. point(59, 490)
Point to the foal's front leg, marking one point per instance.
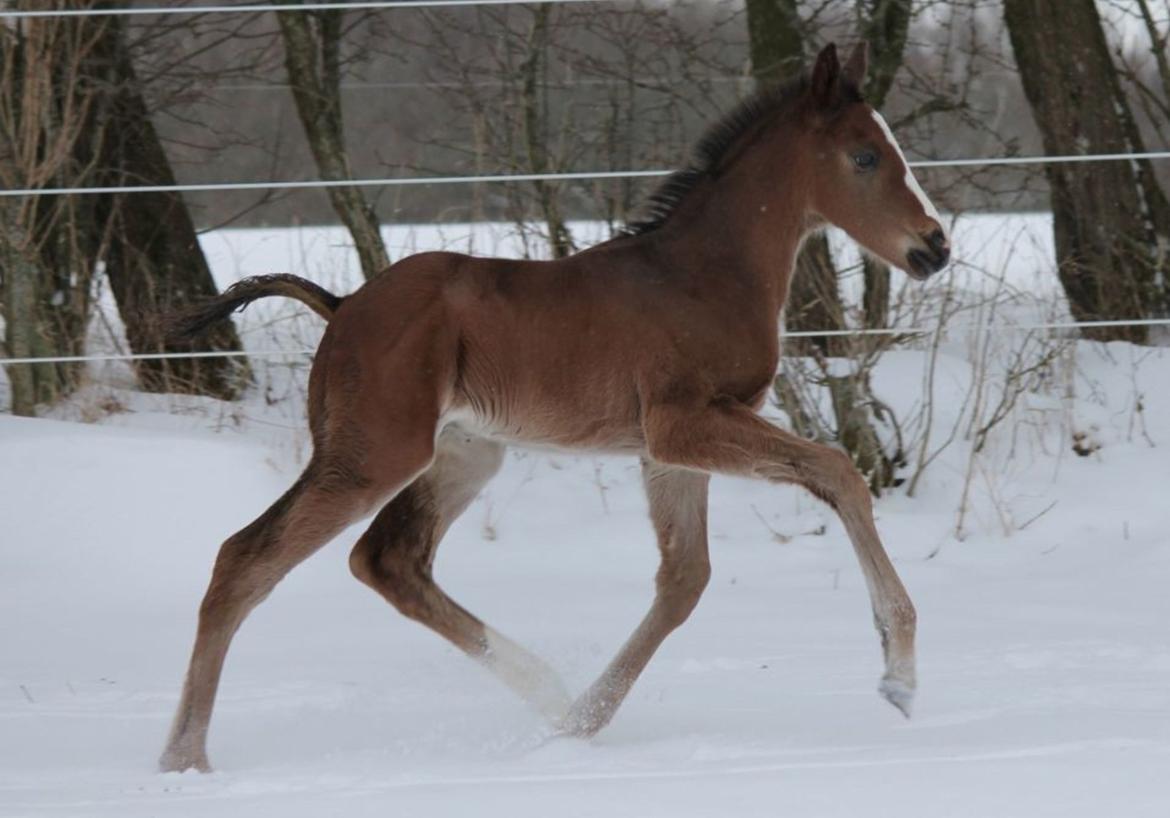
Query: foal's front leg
point(730, 438)
point(678, 509)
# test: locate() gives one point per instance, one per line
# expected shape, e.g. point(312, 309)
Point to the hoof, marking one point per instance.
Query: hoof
point(582, 721)
point(571, 727)
point(899, 694)
point(178, 762)
point(528, 676)
point(553, 703)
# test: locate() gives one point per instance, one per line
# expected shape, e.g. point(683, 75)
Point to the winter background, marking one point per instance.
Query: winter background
point(1041, 579)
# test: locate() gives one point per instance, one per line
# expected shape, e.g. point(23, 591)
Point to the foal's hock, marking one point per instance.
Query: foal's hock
point(428, 371)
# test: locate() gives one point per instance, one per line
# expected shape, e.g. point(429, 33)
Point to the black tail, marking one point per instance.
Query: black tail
point(195, 319)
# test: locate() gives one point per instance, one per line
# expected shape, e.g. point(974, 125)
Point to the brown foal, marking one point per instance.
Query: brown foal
point(661, 342)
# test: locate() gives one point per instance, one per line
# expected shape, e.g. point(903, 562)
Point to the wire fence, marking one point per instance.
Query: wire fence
point(529, 177)
point(254, 8)
point(480, 178)
point(501, 178)
point(305, 352)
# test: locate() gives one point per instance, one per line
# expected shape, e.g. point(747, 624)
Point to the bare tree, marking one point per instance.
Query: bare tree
point(153, 259)
point(312, 50)
point(1111, 220)
point(46, 106)
point(547, 89)
point(72, 114)
point(1152, 92)
point(498, 68)
point(536, 130)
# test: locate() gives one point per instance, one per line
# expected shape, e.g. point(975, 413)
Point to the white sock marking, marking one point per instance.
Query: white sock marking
point(527, 675)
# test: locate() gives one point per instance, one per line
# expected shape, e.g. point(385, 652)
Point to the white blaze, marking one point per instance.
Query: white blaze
point(911, 182)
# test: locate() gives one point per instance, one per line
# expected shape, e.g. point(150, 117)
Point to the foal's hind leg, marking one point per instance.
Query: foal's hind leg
point(395, 556)
point(678, 509)
point(318, 506)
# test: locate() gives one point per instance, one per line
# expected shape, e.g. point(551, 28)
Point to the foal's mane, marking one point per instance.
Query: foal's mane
point(716, 144)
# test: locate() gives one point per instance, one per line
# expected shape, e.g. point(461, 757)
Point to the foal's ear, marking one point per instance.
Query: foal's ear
point(857, 65)
point(826, 75)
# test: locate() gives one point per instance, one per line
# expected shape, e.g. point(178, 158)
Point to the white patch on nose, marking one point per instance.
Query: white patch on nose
point(910, 181)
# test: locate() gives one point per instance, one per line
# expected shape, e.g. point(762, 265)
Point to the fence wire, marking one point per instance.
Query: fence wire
point(299, 353)
point(539, 177)
point(253, 8)
point(480, 179)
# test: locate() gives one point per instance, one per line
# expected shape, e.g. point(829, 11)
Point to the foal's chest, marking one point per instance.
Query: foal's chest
point(743, 365)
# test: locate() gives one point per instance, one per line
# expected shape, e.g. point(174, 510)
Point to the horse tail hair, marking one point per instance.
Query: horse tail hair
point(196, 318)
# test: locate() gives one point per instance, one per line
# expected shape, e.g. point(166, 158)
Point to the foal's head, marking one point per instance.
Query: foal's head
point(861, 181)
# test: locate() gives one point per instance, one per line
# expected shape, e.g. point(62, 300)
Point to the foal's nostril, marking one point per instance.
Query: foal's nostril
point(924, 262)
point(937, 241)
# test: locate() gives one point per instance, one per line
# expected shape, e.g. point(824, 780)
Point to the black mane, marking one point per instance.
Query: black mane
point(713, 147)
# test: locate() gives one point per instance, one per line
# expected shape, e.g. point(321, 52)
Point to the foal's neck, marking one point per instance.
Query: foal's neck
point(743, 229)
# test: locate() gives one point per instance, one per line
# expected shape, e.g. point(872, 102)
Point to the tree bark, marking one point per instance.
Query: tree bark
point(1111, 220)
point(1160, 44)
point(45, 273)
point(312, 57)
point(153, 259)
point(30, 384)
point(776, 41)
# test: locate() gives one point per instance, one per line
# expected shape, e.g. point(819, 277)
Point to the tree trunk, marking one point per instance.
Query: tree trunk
point(45, 273)
point(1111, 221)
point(814, 300)
point(39, 322)
point(153, 259)
point(312, 57)
point(18, 277)
point(775, 39)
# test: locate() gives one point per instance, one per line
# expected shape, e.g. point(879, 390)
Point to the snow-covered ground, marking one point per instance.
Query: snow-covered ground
point(1044, 646)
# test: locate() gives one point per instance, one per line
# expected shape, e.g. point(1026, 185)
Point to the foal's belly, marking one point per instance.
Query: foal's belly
point(551, 433)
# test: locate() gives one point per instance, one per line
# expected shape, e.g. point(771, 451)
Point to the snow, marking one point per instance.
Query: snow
point(1043, 650)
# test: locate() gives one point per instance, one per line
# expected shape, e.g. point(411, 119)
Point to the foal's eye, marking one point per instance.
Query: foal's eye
point(865, 160)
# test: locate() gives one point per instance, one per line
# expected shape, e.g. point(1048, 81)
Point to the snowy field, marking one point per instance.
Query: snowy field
point(1044, 641)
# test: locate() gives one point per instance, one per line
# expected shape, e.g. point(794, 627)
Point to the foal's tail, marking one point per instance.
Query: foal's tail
point(195, 319)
